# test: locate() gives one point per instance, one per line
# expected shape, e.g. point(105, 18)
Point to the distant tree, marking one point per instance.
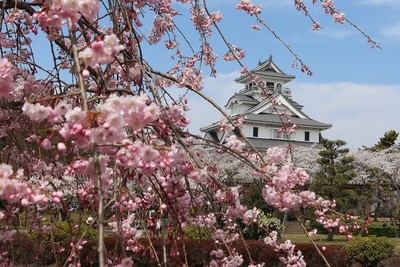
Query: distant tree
point(379, 171)
point(387, 141)
point(251, 197)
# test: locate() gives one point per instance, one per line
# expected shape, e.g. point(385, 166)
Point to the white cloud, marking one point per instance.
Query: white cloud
point(377, 2)
point(337, 33)
point(392, 31)
point(360, 113)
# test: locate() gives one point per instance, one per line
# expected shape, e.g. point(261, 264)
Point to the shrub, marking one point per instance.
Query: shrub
point(381, 231)
point(25, 251)
point(334, 254)
point(369, 250)
point(199, 254)
point(253, 231)
point(194, 232)
point(61, 232)
point(251, 197)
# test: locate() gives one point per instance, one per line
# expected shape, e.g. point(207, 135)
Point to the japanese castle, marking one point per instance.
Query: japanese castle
point(263, 111)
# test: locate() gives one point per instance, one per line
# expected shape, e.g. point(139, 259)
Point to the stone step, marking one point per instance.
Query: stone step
point(293, 228)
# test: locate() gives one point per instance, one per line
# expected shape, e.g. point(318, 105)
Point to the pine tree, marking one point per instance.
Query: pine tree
point(336, 171)
point(388, 140)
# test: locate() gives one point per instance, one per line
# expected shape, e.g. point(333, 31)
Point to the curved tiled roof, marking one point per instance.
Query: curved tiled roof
point(276, 119)
point(245, 98)
point(263, 144)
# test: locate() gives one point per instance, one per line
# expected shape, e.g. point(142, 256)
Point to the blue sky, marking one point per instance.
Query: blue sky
point(354, 87)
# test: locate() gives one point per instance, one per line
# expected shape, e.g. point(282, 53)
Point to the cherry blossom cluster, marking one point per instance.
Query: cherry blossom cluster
point(203, 22)
point(234, 143)
point(249, 7)
point(226, 125)
point(209, 57)
point(205, 221)
point(234, 53)
point(25, 22)
point(13, 189)
point(292, 258)
point(231, 198)
point(234, 260)
point(76, 248)
point(226, 238)
point(49, 22)
point(74, 9)
point(315, 26)
point(101, 52)
point(328, 6)
point(299, 4)
point(191, 76)
point(6, 78)
point(129, 231)
point(163, 21)
point(162, 24)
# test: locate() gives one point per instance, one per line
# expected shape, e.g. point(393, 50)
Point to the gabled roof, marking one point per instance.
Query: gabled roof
point(264, 144)
point(212, 127)
point(295, 104)
point(275, 119)
point(244, 99)
point(266, 103)
point(266, 69)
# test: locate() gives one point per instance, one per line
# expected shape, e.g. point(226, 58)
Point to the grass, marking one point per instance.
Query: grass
point(75, 217)
point(319, 239)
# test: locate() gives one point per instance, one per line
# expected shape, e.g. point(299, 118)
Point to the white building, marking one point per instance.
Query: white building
point(263, 109)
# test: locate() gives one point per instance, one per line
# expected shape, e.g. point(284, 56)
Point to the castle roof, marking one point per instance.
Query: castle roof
point(266, 69)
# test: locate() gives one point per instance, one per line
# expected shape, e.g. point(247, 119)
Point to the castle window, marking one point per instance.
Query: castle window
point(255, 131)
point(306, 136)
point(270, 85)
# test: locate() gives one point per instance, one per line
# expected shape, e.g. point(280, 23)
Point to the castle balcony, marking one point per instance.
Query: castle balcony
point(254, 89)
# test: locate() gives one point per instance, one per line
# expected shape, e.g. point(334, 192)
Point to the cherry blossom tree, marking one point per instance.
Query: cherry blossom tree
point(379, 171)
point(97, 128)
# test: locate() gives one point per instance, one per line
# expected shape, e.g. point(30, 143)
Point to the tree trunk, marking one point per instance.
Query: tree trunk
point(330, 236)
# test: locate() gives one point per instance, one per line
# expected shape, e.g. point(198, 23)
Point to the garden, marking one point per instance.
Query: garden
point(31, 248)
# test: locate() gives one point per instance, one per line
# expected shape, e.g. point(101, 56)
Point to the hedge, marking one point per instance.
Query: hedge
point(369, 251)
point(378, 231)
point(27, 251)
point(381, 231)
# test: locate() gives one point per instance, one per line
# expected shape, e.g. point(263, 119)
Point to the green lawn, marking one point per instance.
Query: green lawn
point(319, 239)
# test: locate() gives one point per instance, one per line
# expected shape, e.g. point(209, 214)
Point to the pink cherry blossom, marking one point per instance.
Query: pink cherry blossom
point(339, 17)
point(101, 52)
point(37, 112)
point(6, 78)
point(315, 26)
point(248, 7)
